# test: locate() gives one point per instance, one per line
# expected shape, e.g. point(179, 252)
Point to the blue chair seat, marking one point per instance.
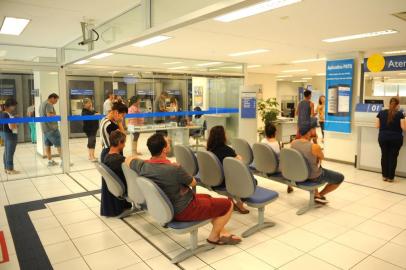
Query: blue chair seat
point(220, 189)
point(261, 195)
point(309, 183)
point(277, 174)
point(197, 177)
point(252, 166)
point(180, 225)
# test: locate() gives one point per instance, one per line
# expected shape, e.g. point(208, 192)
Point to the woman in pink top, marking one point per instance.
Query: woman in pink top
point(134, 107)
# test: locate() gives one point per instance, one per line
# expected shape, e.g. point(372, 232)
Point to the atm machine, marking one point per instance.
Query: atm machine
point(7, 90)
point(146, 104)
point(118, 88)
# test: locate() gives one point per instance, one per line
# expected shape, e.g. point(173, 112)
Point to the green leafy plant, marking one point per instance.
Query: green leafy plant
point(268, 110)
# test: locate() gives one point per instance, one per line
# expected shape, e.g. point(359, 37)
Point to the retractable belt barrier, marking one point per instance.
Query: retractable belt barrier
point(44, 119)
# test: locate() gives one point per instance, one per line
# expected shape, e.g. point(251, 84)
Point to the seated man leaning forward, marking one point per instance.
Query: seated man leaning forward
point(314, 155)
point(177, 185)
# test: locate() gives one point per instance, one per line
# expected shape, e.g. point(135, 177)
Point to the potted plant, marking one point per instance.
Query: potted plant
point(268, 110)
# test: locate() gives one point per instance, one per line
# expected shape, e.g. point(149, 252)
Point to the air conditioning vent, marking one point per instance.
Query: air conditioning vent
point(400, 15)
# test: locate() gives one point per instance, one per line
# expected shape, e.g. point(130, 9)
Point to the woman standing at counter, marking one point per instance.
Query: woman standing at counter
point(133, 109)
point(391, 123)
point(320, 113)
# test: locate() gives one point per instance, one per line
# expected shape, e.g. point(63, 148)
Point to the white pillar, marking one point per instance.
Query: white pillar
point(64, 127)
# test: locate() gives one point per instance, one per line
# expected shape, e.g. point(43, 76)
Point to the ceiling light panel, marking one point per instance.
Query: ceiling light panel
point(395, 52)
point(255, 9)
point(173, 63)
point(248, 52)
point(182, 67)
point(101, 56)
point(209, 64)
point(358, 36)
point(294, 70)
point(284, 76)
point(81, 62)
point(151, 41)
point(13, 26)
point(254, 66)
point(309, 60)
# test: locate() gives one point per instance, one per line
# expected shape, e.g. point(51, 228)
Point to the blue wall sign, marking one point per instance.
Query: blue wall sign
point(372, 108)
point(81, 92)
point(248, 105)
point(120, 92)
point(145, 92)
point(392, 63)
point(339, 81)
point(7, 91)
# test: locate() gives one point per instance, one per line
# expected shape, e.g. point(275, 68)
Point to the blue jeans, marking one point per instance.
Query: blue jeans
point(330, 177)
point(10, 144)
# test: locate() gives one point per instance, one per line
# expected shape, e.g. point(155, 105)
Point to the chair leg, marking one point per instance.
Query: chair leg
point(310, 206)
point(260, 225)
point(193, 250)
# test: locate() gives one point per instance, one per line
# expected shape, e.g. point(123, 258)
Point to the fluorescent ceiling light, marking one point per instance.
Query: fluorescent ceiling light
point(395, 52)
point(253, 66)
point(307, 78)
point(309, 60)
point(209, 64)
point(150, 41)
point(173, 63)
point(3, 53)
point(255, 9)
point(299, 81)
point(53, 73)
point(280, 79)
point(294, 70)
point(249, 52)
point(363, 35)
point(102, 55)
point(181, 67)
point(402, 73)
point(81, 62)
point(114, 72)
point(130, 74)
point(13, 26)
point(283, 76)
point(214, 69)
point(321, 74)
point(232, 67)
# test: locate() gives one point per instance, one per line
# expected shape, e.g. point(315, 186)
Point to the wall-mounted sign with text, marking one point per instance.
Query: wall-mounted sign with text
point(378, 63)
point(339, 81)
point(248, 105)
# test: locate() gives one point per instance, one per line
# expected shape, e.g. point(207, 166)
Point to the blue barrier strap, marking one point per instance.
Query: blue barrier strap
point(44, 119)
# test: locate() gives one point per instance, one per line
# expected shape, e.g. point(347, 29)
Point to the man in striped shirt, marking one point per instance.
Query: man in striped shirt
point(112, 121)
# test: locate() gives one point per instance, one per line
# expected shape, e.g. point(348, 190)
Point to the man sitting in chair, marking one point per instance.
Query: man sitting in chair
point(110, 205)
point(314, 155)
point(177, 185)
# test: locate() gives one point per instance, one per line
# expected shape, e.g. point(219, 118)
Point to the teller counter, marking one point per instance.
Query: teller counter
point(368, 150)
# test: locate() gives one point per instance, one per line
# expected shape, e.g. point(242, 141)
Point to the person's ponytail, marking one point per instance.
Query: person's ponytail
point(393, 105)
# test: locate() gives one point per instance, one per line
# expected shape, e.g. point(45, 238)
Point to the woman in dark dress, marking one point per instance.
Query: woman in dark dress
point(90, 128)
point(391, 124)
point(113, 160)
point(217, 145)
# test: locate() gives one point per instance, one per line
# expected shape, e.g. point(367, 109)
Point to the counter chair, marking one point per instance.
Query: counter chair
point(241, 184)
point(295, 171)
point(243, 148)
point(133, 191)
point(161, 210)
point(115, 187)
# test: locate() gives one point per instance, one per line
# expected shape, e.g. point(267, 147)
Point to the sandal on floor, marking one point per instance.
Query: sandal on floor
point(225, 240)
point(290, 189)
point(244, 212)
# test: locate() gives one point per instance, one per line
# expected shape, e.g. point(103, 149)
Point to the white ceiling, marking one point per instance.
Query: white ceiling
point(54, 23)
point(290, 33)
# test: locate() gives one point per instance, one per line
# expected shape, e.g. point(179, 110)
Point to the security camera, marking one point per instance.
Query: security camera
point(88, 32)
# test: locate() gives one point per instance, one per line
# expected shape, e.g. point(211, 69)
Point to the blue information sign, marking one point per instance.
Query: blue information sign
point(339, 80)
point(120, 92)
point(81, 92)
point(372, 108)
point(249, 105)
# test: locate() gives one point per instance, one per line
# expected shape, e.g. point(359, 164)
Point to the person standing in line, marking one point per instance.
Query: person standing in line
point(391, 124)
point(320, 112)
point(133, 109)
point(304, 112)
point(9, 135)
point(160, 106)
point(32, 125)
point(90, 127)
point(108, 103)
point(50, 130)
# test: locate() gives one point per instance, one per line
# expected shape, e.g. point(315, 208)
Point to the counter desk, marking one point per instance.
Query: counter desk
point(368, 150)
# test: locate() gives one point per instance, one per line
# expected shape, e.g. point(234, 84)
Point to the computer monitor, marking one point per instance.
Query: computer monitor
point(374, 101)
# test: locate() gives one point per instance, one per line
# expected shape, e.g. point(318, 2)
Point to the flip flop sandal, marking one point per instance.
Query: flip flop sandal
point(244, 212)
point(225, 240)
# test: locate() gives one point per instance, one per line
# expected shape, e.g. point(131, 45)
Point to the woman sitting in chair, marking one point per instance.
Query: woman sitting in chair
point(198, 122)
point(217, 145)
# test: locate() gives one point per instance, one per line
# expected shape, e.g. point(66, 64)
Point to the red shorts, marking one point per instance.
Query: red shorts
point(203, 207)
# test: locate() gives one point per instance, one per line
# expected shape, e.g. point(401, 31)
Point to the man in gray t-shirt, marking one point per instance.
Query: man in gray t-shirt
point(177, 184)
point(50, 129)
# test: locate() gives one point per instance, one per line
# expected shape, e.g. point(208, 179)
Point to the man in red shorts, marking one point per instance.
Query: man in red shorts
point(177, 184)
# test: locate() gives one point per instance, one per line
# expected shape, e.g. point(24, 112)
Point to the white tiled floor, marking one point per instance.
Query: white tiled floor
point(361, 228)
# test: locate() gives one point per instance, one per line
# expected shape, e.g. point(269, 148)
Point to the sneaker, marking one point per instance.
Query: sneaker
point(321, 200)
point(52, 163)
point(390, 180)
